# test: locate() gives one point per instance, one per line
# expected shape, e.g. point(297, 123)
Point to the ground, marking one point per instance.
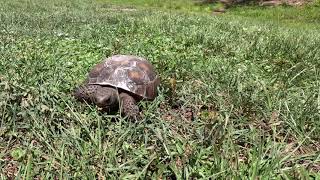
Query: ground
point(239, 94)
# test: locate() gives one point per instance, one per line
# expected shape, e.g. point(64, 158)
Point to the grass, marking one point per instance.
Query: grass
point(307, 16)
point(253, 89)
point(177, 5)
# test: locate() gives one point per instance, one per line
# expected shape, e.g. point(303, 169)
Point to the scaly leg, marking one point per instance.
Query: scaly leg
point(129, 106)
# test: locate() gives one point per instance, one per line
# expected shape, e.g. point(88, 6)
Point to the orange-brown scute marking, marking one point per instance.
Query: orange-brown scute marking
point(96, 70)
point(146, 67)
point(136, 76)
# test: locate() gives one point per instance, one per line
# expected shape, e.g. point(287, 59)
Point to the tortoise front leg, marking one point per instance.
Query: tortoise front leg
point(129, 106)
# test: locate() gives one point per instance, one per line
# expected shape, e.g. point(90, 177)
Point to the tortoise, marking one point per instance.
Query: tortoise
point(120, 81)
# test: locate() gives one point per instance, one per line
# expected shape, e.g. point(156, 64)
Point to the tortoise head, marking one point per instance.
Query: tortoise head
point(102, 96)
point(105, 97)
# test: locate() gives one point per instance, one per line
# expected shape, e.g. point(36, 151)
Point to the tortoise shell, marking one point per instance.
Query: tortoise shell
point(127, 72)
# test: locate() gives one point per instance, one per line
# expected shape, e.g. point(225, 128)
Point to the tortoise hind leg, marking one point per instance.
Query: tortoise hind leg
point(129, 106)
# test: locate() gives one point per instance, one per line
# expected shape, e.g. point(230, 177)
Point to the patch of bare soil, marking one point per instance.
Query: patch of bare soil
point(284, 2)
point(179, 117)
point(10, 168)
point(229, 3)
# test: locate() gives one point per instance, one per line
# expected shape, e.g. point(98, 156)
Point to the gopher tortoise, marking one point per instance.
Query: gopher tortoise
point(120, 81)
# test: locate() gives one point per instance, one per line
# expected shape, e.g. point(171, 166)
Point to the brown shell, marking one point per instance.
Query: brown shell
point(127, 72)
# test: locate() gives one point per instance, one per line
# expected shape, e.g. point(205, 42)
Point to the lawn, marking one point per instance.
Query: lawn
point(307, 16)
point(164, 5)
point(252, 88)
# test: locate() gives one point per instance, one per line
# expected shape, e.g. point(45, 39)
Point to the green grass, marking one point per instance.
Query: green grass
point(295, 16)
point(253, 88)
point(307, 16)
point(177, 5)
